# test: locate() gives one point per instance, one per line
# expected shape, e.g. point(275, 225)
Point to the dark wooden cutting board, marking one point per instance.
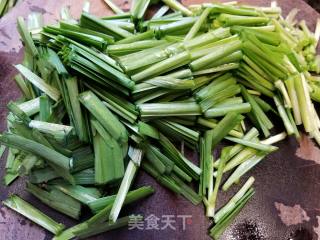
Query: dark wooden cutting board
point(287, 200)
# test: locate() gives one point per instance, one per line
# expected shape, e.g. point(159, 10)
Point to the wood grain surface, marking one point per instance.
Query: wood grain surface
point(286, 204)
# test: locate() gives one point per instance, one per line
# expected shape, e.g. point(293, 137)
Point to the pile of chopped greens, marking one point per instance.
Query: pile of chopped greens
point(104, 97)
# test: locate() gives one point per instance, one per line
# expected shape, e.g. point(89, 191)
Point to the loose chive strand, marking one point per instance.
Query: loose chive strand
point(221, 111)
point(57, 200)
point(218, 229)
point(103, 115)
point(175, 5)
point(125, 185)
point(242, 169)
point(27, 145)
point(225, 126)
point(88, 231)
point(258, 146)
point(19, 205)
point(213, 197)
point(250, 135)
point(208, 162)
point(234, 200)
point(133, 195)
point(212, 124)
point(114, 7)
point(195, 28)
point(284, 116)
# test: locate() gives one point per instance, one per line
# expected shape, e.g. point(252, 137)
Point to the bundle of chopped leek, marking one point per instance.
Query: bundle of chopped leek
point(103, 97)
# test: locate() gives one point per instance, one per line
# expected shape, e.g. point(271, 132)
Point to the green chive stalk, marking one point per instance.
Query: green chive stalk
point(213, 197)
point(283, 115)
point(27, 145)
point(138, 8)
point(19, 205)
point(228, 92)
point(230, 101)
point(30, 107)
point(222, 111)
point(290, 84)
point(2, 150)
point(94, 23)
point(132, 196)
point(180, 160)
point(45, 108)
point(25, 88)
point(38, 82)
point(274, 139)
point(229, 20)
point(85, 38)
point(170, 166)
point(266, 107)
point(78, 118)
point(197, 25)
point(242, 169)
point(161, 11)
point(57, 200)
point(125, 185)
point(163, 66)
point(114, 7)
point(186, 191)
point(85, 177)
point(210, 37)
point(58, 131)
point(169, 109)
point(251, 134)
point(87, 231)
point(241, 157)
point(212, 47)
point(217, 85)
point(234, 200)
point(258, 146)
point(108, 157)
point(177, 131)
point(148, 130)
point(26, 38)
point(234, 10)
point(140, 60)
point(138, 37)
point(218, 54)
point(27, 164)
point(260, 80)
point(220, 227)
point(127, 48)
point(208, 161)
point(212, 124)
point(70, 232)
point(155, 161)
point(164, 180)
point(225, 126)
point(13, 107)
point(82, 158)
point(220, 68)
point(104, 116)
point(175, 5)
point(42, 175)
point(116, 104)
point(9, 178)
point(260, 117)
point(78, 192)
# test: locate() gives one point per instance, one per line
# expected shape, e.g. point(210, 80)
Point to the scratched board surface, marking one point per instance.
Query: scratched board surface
point(286, 204)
